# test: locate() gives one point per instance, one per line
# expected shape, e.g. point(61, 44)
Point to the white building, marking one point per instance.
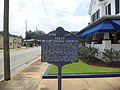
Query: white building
point(99, 8)
point(103, 31)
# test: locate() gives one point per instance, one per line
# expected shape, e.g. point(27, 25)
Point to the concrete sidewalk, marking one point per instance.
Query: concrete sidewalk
point(82, 84)
point(26, 79)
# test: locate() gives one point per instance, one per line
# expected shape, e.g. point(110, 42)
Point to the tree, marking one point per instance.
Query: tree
point(34, 35)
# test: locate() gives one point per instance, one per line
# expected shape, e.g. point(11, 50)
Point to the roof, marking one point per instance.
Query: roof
point(74, 32)
point(109, 17)
point(1, 32)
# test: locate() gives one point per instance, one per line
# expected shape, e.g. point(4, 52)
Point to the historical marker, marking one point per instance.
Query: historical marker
point(59, 47)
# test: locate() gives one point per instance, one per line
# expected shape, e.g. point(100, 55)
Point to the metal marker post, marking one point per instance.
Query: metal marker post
point(59, 77)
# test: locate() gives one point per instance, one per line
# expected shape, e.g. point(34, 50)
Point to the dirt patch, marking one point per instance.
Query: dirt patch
point(100, 63)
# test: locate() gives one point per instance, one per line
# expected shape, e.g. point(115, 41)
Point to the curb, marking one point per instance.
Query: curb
point(20, 68)
point(27, 64)
point(96, 75)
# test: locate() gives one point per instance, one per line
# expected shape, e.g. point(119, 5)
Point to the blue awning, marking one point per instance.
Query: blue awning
point(104, 26)
point(116, 22)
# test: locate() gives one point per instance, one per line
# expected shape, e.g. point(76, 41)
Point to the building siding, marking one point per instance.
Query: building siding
point(14, 42)
point(1, 41)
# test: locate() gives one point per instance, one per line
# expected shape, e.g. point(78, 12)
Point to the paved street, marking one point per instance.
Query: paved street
point(20, 57)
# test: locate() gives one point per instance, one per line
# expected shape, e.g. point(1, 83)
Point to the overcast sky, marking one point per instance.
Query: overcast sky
point(72, 15)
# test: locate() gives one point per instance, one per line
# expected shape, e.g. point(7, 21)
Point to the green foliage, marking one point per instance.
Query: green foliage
point(111, 55)
point(88, 53)
point(1, 32)
point(34, 35)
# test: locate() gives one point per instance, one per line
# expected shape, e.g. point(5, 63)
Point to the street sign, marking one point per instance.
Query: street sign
point(59, 46)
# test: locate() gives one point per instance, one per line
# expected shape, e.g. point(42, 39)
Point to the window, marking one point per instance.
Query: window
point(118, 36)
point(10, 44)
point(96, 15)
point(108, 9)
point(117, 6)
point(93, 17)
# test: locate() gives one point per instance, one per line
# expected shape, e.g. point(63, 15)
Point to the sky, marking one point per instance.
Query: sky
point(46, 15)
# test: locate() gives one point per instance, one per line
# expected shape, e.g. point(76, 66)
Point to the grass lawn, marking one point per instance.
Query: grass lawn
point(81, 67)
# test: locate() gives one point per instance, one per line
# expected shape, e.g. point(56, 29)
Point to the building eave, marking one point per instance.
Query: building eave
point(108, 17)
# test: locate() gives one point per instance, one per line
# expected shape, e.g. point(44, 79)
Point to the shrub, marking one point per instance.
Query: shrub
point(88, 53)
point(111, 55)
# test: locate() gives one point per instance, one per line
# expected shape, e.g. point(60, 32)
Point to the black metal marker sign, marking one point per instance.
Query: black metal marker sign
point(59, 47)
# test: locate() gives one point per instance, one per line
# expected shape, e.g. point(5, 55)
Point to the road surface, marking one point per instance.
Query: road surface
point(20, 57)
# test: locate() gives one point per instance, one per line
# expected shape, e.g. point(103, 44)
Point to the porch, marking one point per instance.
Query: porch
point(102, 34)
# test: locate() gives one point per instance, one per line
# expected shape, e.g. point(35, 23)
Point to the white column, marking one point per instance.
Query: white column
point(106, 43)
point(106, 35)
point(94, 38)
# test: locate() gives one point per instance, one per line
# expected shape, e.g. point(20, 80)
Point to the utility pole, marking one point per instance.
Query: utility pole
point(26, 25)
point(26, 31)
point(36, 28)
point(6, 41)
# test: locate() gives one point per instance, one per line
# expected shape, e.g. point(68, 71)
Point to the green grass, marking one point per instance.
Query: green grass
point(82, 68)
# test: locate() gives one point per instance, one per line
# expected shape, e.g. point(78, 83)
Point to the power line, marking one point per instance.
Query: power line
point(47, 14)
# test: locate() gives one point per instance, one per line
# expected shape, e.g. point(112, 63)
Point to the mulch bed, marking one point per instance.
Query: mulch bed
point(101, 63)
